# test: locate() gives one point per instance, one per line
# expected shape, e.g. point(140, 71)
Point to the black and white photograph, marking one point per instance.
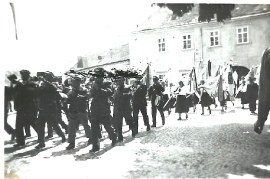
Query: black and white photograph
point(135, 89)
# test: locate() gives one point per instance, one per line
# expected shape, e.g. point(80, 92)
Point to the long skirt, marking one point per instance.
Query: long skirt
point(192, 100)
point(206, 100)
point(243, 98)
point(181, 104)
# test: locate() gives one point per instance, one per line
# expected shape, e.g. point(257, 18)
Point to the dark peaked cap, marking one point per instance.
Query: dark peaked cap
point(24, 72)
point(99, 72)
point(48, 73)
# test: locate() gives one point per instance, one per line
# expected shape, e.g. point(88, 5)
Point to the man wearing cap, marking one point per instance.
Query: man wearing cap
point(139, 103)
point(25, 103)
point(155, 94)
point(100, 109)
point(252, 94)
point(77, 111)
point(123, 109)
point(47, 103)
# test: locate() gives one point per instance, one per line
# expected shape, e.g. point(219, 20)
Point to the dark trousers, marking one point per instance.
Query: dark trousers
point(136, 110)
point(7, 127)
point(119, 122)
point(95, 124)
point(154, 113)
point(22, 118)
point(48, 115)
point(252, 105)
point(59, 121)
point(27, 129)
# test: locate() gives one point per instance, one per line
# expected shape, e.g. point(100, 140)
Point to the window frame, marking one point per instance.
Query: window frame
point(242, 34)
point(161, 44)
point(191, 41)
point(218, 36)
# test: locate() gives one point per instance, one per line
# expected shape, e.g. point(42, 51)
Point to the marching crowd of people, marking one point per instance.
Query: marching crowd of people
point(41, 100)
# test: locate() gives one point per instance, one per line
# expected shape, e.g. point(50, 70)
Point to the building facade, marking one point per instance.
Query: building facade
point(114, 58)
point(177, 45)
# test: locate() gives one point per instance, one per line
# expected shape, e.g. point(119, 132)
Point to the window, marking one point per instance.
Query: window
point(161, 45)
point(242, 35)
point(187, 41)
point(214, 38)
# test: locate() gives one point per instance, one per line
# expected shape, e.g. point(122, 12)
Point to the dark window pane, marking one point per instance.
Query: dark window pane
point(158, 40)
point(245, 35)
point(188, 36)
point(184, 37)
point(189, 45)
point(184, 45)
point(239, 30)
point(216, 38)
point(216, 33)
point(216, 42)
point(212, 43)
point(163, 40)
point(163, 47)
point(159, 47)
point(245, 29)
point(211, 33)
point(245, 39)
point(240, 40)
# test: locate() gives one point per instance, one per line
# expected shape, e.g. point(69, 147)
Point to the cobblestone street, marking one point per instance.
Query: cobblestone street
point(220, 145)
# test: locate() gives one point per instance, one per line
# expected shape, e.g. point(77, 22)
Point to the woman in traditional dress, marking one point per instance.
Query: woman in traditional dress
point(242, 92)
point(205, 99)
point(181, 101)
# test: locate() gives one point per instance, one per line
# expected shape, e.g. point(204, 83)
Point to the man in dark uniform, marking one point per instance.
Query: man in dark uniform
point(26, 107)
point(155, 91)
point(123, 109)
point(77, 112)
point(8, 97)
point(139, 103)
point(47, 102)
point(100, 109)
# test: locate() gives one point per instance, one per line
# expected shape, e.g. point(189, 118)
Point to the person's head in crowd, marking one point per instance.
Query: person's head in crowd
point(202, 82)
point(48, 76)
point(25, 75)
point(181, 83)
point(155, 79)
point(99, 74)
point(120, 81)
point(76, 82)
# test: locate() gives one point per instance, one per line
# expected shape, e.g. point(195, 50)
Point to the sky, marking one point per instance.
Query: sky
point(51, 34)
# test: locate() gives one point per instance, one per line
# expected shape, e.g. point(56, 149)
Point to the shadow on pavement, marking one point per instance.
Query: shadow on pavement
point(27, 154)
point(205, 152)
point(13, 149)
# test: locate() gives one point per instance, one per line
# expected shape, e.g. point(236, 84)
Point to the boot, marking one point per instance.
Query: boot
point(113, 142)
point(186, 116)
point(70, 146)
point(48, 136)
point(163, 121)
point(148, 128)
point(209, 110)
point(95, 148)
point(39, 146)
point(119, 132)
point(18, 145)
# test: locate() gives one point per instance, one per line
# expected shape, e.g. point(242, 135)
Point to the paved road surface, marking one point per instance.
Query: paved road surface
point(221, 145)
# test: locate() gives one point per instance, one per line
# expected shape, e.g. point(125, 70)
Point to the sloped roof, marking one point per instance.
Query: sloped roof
point(109, 56)
point(164, 17)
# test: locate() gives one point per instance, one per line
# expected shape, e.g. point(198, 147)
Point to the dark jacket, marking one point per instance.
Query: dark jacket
point(25, 96)
point(100, 105)
point(252, 91)
point(48, 96)
point(139, 97)
point(77, 104)
point(122, 101)
point(155, 90)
